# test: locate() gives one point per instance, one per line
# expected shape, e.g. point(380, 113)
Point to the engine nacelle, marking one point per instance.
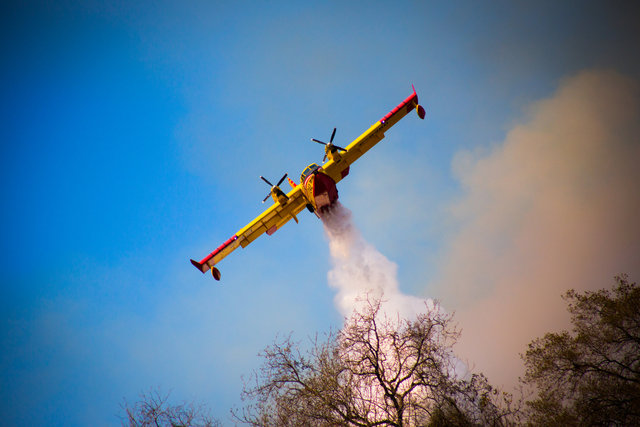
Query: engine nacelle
point(333, 154)
point(278, 196)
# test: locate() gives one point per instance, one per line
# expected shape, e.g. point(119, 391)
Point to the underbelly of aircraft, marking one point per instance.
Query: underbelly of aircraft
point(323, 190)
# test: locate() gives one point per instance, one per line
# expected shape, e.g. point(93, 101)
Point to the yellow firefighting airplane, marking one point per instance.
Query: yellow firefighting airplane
point(317, 189)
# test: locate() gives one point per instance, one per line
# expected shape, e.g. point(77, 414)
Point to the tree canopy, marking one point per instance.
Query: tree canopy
point(591, 375)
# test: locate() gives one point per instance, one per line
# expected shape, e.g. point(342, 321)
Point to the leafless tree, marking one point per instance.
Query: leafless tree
point(375, 371)
point(154, 410)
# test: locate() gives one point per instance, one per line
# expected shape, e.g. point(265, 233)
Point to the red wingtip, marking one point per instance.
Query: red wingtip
point(202, 267)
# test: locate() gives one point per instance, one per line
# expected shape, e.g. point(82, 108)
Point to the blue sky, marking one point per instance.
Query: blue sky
point(133, 136)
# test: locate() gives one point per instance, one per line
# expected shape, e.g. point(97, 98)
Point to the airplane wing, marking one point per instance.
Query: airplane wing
point(268, 221)
point(339, 169)
point(279, 214)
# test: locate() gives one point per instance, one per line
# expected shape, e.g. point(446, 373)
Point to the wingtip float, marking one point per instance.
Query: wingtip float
point(317, 190)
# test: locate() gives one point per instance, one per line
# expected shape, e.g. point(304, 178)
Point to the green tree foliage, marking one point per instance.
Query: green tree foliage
point(591, 375)
point(375, 371)
point(154, 410)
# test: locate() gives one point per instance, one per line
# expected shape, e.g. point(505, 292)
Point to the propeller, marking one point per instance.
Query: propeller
point(271, 185)
point(330, 146)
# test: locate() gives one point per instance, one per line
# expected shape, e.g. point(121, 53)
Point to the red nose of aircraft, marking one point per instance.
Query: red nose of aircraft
point(325, 192)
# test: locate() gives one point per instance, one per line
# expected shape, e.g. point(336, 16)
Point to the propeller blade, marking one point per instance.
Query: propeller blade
point(325, 157)
point(265, 199)
point(281, 179)
point(266, 180)
point(332, 135)
point(319, 142)
point(340, 148)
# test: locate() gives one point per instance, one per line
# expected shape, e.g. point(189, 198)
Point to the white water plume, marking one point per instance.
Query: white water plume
point(359, 270)
point(361, 274)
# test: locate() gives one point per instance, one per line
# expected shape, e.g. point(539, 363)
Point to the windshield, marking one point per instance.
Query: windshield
point(308, 171)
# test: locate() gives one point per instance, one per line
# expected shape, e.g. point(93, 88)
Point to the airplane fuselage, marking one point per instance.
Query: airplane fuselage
point(318, 188)
point(321, 191)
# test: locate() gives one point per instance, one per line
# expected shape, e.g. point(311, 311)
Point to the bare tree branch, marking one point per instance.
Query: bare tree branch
point(375, 371)
point(154, 409)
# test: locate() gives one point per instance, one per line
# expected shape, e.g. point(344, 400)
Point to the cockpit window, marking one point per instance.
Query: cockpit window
point(308, 171)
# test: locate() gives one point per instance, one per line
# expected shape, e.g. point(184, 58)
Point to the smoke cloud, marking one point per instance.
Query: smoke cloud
point(553, 207)
point(360, 270)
